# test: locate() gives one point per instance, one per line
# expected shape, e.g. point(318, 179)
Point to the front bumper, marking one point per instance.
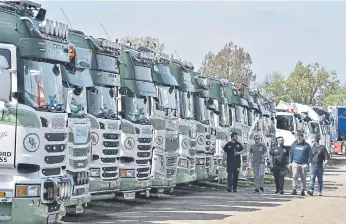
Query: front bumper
point(183, 175)
point(29, 211)
point(201, 171)
point(100, 189)
point(133, 185)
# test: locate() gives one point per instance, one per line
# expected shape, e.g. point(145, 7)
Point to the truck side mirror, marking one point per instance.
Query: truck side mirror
point(5, 77)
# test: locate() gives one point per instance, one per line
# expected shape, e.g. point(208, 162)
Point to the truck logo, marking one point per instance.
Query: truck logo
point(3, 134)
point(159, 140)
point(129, 143)
point(94, 138)
point(31, 142)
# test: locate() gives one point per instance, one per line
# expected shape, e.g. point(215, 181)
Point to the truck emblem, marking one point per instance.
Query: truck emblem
point(31, 142)
point(129, 143)
point(94, 138)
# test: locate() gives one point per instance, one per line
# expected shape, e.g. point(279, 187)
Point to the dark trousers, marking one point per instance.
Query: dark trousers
point(279, 177)
point(233, 175)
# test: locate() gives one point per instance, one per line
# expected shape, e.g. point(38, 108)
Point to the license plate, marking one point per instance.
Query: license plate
point(58, 122)
point(53, 218)
point(161, 190)
point(130, 196)
point(79, 209)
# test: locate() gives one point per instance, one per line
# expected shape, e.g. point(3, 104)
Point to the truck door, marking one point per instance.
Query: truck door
point(8, 117)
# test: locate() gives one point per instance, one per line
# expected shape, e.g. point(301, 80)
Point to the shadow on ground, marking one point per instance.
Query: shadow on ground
point(190, 202)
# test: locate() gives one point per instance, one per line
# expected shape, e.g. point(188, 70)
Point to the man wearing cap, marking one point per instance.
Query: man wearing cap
point(320, 157)
point(257, 154)
point(233, 150)
point(279, 155)
point(299, 159)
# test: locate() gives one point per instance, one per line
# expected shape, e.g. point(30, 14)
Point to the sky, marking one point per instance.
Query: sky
point(276, 34)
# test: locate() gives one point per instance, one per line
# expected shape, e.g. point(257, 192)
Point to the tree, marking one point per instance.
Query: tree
point(231, 63)
point(336, 98)
point(275, 85)
point(310, 84)
point(153, 42)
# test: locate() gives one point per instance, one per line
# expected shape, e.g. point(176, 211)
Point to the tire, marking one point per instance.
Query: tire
point(343, 148)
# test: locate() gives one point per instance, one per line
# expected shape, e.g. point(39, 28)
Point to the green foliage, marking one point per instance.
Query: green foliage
point(310, 84)
point(231, 63)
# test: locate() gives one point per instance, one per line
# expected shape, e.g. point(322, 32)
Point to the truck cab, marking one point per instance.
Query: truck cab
point(102, 109)
point(165, 122)
point(202, 116)
point(137, 92)
point(76, 79)
point(338, 129)
point(186, 170)
point(286, 123)
point(223, 127)
point(34, 185)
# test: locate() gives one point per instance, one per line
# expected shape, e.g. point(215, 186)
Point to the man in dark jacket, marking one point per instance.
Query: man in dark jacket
point(279, 164)
point(233, 150)
point(319, 158)
point(300, 157)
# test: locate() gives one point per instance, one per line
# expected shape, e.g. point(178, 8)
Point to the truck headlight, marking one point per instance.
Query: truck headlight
point(127, 173)
point(95, 172)
point(28, 190)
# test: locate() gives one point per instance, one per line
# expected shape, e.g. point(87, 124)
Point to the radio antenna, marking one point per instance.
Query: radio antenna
point(105, 31)
point(66, 17)
point(176, 53)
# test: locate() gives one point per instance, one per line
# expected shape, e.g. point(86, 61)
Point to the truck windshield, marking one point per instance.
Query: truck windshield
point(42, 84)
point(163, 69)
point(76, 98)
point(239, 115)
point(143, 73)
point(314, 128)
point(285, 122)
point(201, 109)
point(102, 101)
point(167, 98)
point(136, 108)
point(251, 117)
point(224, 115)
point(186, 105)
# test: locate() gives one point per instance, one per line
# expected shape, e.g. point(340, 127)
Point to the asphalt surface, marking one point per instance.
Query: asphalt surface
point(192, 203)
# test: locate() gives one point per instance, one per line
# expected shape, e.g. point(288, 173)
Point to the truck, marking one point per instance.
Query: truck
point(34, 184)
point(137, 92)
point(222, 127)
point(165, 122)
point(325, 123)
point(103, 113)
point(338, 129)
point(76, 79)
point(186, 171)
point(201, 98)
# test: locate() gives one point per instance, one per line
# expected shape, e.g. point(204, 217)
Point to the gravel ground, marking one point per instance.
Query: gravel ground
point(210, 203)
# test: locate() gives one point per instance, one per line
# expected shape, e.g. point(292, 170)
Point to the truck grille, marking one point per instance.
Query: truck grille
point(78, 164)
point(171, 161)
point(144, 140)
point(143, 173)
point(142, 162)
point(170, 173)
point(143, 154)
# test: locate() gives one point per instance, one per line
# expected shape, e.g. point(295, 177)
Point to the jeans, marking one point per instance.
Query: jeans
point(316, 172)
point(258, 172)
point(279, 177)
point(232, 179)
point(299, 170)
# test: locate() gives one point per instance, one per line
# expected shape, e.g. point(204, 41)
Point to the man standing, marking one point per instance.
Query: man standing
point(279, 164)
point(233, 150)
point(300, 156)
point(257, 154)
point(320, 157)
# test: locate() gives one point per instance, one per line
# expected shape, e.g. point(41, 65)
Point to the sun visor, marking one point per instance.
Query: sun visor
point(140, 88)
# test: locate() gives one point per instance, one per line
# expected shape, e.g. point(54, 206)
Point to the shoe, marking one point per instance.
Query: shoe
point(277, 191)
point(262, 189)
point(320, 194)
point(256, 191)
point(302, 193)
point(234, 190)
point(311, 193)
point(282, 192)
point(229, 190)
point(294, 192)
